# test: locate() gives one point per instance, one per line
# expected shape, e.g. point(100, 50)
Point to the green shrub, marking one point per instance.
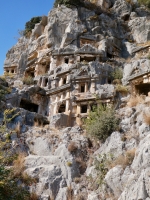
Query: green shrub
point(10, 114)
point(101, 166)
point(9, 188)
point(3, 91)
point(117, 74)
point(121, 88)
point(101, 123)
point(28, 80)
point(69, 3)
point(145, 2)
point(31, 24)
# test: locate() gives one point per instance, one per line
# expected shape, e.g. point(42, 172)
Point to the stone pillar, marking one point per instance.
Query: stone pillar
point(86, 87)
point(67, 106)
point(56, 99)
point(67, 80)
point(61, 98)
point(77, 87)
point(145, 79)
point(88, 108)
point(92, 89)
point(78, 109)
point(55, 108)
point(52, 64)
point(68, 95)
point(61, 82)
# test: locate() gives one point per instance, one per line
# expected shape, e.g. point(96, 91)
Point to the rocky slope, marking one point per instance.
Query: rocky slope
point(63, 160)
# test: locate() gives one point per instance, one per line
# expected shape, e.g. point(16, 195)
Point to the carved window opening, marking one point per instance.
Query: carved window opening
point(87, 59)
point(103, 81)
point(84, 109)
point(64, 81)
point(62, 108)
point(46, 82)
point(66, 60)
point(82, 88)
point(29, 106)
point(109, 55)
point(109, 81)
point(93, 107)
point(143, 88)
point(30, 73)
point(47, 69)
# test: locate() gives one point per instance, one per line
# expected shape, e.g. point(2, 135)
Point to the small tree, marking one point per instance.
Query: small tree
point(144, 2)
point(69, 3)
point(101, 123)
point(31, 24)
point(117, 74)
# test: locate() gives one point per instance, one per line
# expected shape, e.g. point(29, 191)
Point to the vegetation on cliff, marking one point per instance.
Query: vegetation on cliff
point(31, 24)
point(145, 2)
point(102, 122)
point(69, 3)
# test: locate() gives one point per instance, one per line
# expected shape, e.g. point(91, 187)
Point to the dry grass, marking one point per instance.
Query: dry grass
point(33, 196)
point(135, 100)
point(129, 135)
point(146, 118)
point(69, 193)
point(124, 160)
point(18, 164)
point(77, 180)
point(121, 88)
point(82, 164)
point(80, 197)
point(72, 147)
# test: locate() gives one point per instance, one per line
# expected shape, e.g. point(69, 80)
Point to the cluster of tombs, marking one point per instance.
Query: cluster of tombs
point(66, 83)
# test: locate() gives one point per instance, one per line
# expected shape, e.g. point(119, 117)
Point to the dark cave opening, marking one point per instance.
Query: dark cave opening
point(143, 88)
point(29, 106)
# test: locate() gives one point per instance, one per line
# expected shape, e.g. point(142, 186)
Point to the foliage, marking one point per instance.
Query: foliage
point(9, 187)
point(28, 80)
point(102, 164)
point(124, 160)
point(102, 122)
point(13, 183)
point(117, 74)
point(121, 88)
point(10, 114)
point(146, 117)
point(135, 100)
point(31, 24)
point(69, 3)
point(144, 2)
point(3, 92)
point(72, 147)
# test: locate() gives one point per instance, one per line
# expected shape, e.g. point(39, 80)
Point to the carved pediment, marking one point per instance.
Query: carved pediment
point(87, 48)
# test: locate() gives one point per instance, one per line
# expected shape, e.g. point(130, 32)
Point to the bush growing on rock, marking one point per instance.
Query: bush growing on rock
point(102, 122)
point(31, 24)
point(135, 100)
point(144, 2)
point(28, 80)
point(117, 74)
point(69, 3)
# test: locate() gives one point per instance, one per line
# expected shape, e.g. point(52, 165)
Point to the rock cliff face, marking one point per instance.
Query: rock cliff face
point(56, 75)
